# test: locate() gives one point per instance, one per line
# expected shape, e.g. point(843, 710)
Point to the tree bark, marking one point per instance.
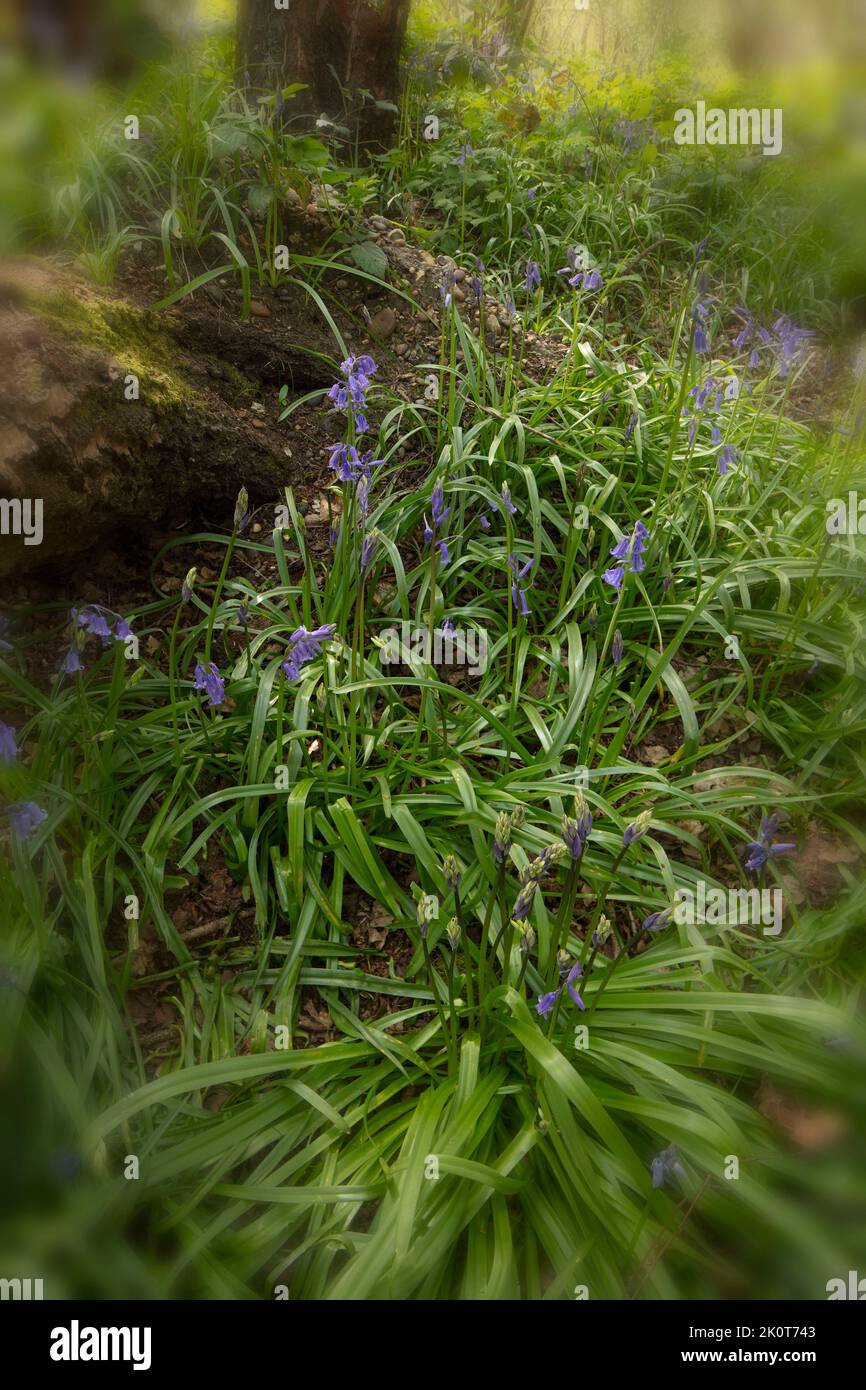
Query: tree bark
point(340, 50)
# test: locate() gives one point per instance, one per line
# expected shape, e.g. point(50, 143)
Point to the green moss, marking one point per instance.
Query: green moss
point(136, 338)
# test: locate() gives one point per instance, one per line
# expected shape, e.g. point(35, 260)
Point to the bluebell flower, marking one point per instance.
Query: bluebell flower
point(546, 1002)
point(71, 662)
point(211, 682)
point(568, 974)
point(766, 846)
point(101, 622)
point(350, 394)
point(368, 550)
point(617, 649)
point(667, 1165)
point(575, 973)
point(657, 921)
point(700, 311)
point(518, 593)
point(8, 744)
point(25, 817)
point(451, 873)
point(446, 285)
point(727, 455)
point(344, 461)
point(464, 154)
point(792, 340)
point(636, 828)
point(306, 645)
point(629, 429)
point(506, 500)
point(523, 901)
point(575, 830)
point(531, 276)
point(631, 549)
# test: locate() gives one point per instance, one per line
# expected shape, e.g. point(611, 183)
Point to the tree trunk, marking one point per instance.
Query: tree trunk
point(346, 52)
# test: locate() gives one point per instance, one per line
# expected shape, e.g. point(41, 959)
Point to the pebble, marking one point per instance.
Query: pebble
point(383, 323)
point(259, 310)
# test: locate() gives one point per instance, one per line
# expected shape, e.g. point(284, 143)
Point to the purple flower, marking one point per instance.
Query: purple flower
point(630, 549)
point(657, 921)
point(344, 461)
point(727, 455)
point(350, 394)
point(464, 154)
point(531, 276)
point(439, 514)
point(8, 745)
point(791, 342)
point(617, 650)
point(518, 593)
point(71, 662)
point(211, 682)
point(24, 817)
point(667, 1165)
point(546, 1002)
point(575, 973)
point(636, 828)
point(368, 550)
point(586, 280)
point(506, 500)
point(629, 431)
point(94, 619)
point(523, 901)
point(305, 647)
point(700, 311)
point(766, 847)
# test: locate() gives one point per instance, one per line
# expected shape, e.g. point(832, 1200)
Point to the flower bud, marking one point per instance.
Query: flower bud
point(241, 509)
point(452, 874)
point(636, 828)
point(428, 909)
point(452, 931)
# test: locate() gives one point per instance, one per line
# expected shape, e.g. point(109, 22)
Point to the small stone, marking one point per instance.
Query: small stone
point(383, 323)
point(491, 328)
point(293, 198)
point(459, 293)
point(459, 276)
point(399, 349)
point(259, 424)
point(397, 237)
point(259, 310)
